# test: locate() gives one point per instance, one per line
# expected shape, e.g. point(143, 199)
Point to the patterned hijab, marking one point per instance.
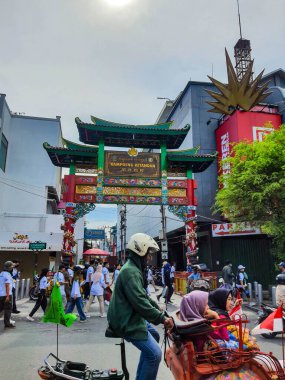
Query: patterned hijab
point(193, 305)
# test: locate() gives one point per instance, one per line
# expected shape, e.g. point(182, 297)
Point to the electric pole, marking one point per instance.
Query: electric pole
point(164, 246)
point(123, 231)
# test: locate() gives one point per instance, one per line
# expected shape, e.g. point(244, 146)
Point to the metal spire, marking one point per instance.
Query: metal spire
point(239, 19)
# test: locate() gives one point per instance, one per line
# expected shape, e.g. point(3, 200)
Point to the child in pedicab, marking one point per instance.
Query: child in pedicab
point(221, 301)
point(194, 306)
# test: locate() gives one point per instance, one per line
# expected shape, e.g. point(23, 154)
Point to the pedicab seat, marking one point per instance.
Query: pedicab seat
point(191, 327)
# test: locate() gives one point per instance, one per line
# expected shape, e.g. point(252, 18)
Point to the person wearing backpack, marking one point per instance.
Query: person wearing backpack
point(42, 299)
point(241, 280)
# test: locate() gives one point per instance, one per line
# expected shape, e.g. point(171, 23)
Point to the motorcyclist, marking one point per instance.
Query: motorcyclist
point(280, 289)
point(131, 310)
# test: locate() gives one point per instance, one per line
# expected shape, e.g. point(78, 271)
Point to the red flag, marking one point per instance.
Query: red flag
point(273, 323)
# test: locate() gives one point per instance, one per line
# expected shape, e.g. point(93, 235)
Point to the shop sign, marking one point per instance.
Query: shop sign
point(260, 132)
point(225, 150)
point(37, 246)
point(94, 234)
point(50, 241)
point(144, 165)
point(234, 229)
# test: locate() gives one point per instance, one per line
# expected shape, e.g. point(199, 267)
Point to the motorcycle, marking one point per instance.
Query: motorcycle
point(263, 314)
point(185, 363)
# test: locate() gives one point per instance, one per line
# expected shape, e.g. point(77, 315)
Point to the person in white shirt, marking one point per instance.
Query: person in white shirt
point(42, 299)
point(15, 276)
point(88, 280)
point(172, 271)
point(75, 296)
point(97, 290)
point(116, 273)
point(59, 277)
point(6, 285)
point(150, 278)
point(70, 271)
point(106, 274)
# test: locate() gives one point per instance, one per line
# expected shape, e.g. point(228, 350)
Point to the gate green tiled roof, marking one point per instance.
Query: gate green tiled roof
point(72, 153)
point(128, 135)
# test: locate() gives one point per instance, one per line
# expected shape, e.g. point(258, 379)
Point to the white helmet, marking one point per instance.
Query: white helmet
point(141, 244)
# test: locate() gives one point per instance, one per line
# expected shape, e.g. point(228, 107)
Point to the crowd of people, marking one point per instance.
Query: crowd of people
point(132, 311)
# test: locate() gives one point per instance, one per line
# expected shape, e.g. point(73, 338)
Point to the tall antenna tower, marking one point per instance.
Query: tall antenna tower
point(242, 52)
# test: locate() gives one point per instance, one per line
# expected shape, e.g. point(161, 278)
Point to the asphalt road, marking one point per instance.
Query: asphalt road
point(22, 349)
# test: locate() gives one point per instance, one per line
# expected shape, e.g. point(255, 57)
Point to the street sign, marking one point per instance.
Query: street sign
point(37, 246)
point(94, 234)
point(164, 255)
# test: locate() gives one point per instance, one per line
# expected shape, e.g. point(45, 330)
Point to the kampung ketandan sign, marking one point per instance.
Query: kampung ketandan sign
point(120, 164)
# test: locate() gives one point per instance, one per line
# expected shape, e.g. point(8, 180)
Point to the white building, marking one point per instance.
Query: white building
point(30, 190)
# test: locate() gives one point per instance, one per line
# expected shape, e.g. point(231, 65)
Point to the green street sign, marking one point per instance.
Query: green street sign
point(37, 246)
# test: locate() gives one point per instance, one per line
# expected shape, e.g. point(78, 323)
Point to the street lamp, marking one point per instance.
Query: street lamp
point(162, 98)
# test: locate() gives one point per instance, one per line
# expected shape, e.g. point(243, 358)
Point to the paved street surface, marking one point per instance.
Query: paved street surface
point(23, 348)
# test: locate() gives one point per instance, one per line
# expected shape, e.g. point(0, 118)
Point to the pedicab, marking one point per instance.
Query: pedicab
point(218, 363)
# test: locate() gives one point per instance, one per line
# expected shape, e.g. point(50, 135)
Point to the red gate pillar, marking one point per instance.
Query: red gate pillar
point(190, 224)
point(69, 217)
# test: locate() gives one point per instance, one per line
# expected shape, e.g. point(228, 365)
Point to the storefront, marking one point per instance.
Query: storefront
point(16, 246)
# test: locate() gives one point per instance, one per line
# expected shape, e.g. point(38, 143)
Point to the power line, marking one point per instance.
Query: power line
point(20, 183)
point(25, 191)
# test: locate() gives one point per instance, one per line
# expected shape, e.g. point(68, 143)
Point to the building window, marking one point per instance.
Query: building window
point(3, 152)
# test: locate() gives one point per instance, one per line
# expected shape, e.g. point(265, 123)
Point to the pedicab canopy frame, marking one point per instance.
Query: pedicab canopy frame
point(129, 177)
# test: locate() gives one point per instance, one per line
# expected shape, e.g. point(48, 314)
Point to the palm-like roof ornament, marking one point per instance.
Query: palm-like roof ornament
point(237, 94)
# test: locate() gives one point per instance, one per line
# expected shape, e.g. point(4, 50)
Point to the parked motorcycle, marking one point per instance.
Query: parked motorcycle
point(263, 314)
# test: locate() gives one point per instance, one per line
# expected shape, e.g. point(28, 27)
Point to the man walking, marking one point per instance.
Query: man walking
point(6, 285)
point(228, 275)
point(15, 276)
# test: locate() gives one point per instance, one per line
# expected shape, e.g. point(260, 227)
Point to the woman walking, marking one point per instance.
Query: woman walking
point(75, 296)
point(97, 290)
point(42, 299)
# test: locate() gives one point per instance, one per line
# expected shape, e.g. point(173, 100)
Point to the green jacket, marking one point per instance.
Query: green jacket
point(130, 305)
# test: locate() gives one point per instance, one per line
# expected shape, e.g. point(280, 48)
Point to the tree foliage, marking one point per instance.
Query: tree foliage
point(254, 190)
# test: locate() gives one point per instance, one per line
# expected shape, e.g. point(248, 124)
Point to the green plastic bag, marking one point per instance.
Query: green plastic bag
point(55, 311)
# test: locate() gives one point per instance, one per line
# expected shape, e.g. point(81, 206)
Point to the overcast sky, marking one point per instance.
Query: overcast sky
point(81, 57)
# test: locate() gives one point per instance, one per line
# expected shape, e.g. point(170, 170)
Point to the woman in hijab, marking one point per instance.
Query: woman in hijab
point(97, 290)
point(220, 300)
point(195, 306)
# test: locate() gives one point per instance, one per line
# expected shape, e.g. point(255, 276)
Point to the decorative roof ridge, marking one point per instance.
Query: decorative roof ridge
point(47, 146)
point(190, 151)
point(194, 155)
point(104, 123)
point(70, 144)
